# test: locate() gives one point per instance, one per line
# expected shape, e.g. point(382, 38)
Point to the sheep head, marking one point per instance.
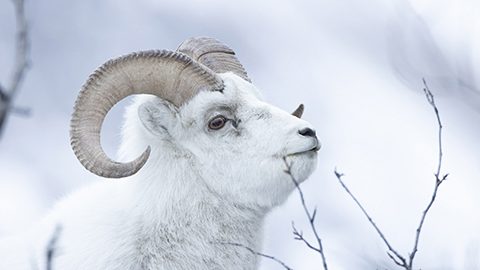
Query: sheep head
point(203, 105)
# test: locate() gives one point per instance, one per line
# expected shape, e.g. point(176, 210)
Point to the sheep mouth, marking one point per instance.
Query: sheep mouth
point(314, 149)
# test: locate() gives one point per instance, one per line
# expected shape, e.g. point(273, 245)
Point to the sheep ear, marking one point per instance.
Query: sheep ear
point(157, 117)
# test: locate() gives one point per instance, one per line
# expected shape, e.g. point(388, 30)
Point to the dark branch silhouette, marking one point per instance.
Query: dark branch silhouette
point(7, 94)
point(298, 235)
point(52, 247)
point(4, 103)
point(395, 256)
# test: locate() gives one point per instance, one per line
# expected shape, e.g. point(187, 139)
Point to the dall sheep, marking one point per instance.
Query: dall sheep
point(212, 169)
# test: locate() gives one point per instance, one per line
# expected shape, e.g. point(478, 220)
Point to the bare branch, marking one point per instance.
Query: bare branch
point(260, 254)
point(22, 48)
point(4, 104)
point(394, 259)
point(403, 261)
point(438, 180)
point(298, 235)
point(52, 247)
point(311, 219)
point(393, 254)
point(21, 63)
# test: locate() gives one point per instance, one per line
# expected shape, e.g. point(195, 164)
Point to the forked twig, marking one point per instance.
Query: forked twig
point(311, 219)
point(438, 179)
point(298, 235)
point(395, 256)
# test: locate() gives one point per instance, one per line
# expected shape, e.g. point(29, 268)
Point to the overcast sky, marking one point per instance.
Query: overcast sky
point(356, 65)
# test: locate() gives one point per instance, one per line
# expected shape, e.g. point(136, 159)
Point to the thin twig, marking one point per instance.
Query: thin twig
point(22, 48)
point(261, 254)
point(438, 180)
point(395, 256)
point(310, 216)
point(299, 236)
point(20, 67)
point(400, 260)
point(4, 104)
point(52, 247)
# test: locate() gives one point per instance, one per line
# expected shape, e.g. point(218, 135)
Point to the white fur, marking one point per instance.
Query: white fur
point(200, 189)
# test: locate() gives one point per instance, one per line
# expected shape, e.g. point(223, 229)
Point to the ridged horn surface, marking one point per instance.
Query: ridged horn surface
point(299, 111)
point(213, 54)
point(171, 76)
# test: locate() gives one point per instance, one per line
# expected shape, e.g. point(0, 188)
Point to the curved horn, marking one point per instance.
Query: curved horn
point(213, 54)
point(172, 76)
point(299, 111)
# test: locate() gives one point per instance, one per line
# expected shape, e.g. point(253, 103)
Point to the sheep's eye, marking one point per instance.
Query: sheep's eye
point(217, 122)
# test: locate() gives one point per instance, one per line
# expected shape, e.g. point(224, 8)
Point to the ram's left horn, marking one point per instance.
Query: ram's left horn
point(299, 111)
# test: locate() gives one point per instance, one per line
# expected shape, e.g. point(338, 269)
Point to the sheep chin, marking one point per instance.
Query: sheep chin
point(302, 165)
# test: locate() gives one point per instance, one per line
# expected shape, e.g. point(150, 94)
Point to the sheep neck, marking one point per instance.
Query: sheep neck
point(189, 223)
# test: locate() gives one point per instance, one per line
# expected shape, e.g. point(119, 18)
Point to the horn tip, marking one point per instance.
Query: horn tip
point(299, 111)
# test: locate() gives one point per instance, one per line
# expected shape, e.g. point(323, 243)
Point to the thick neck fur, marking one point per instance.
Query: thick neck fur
point(182, 224)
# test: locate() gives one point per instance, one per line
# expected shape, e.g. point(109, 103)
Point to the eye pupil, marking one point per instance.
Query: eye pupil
point(217, 123)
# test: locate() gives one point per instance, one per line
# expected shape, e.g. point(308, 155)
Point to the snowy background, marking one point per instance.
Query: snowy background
point(356, 65)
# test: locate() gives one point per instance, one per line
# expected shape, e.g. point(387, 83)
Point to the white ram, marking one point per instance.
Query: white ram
point(215, 167)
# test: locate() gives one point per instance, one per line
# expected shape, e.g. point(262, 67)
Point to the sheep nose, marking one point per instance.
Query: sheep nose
point(307, 132)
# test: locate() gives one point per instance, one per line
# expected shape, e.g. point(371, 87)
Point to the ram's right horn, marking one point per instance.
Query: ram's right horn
point(172, 76)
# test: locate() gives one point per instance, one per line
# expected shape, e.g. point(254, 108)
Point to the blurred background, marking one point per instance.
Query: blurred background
point(356, 65)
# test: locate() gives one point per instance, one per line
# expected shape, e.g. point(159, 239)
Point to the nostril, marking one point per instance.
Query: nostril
point(307, 132)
